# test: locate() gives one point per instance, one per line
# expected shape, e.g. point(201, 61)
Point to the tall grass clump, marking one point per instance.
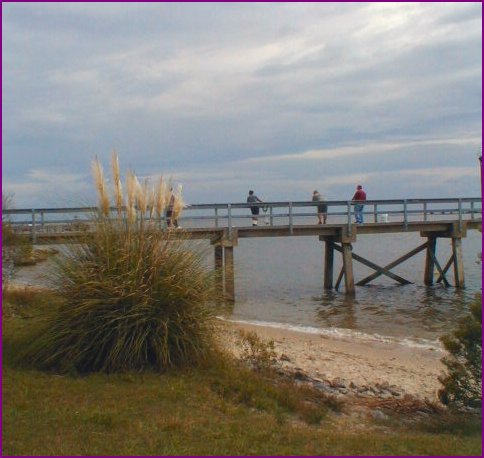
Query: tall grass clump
point(15, 248)
point(134, 296)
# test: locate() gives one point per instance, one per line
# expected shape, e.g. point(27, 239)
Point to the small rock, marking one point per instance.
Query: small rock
point(284, 357)
point(378, 415)
point(338, 383)
point(321, 386)
point(299, 375)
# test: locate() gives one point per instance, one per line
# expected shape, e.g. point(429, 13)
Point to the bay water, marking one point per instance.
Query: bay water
point(279, 282)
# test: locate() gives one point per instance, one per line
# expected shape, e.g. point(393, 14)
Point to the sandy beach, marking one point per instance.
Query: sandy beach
point(354, 365)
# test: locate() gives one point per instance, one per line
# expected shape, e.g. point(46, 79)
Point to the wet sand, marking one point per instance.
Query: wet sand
point(355, 363)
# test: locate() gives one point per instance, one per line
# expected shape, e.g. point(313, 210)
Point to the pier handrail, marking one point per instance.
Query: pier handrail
point(93, 209)
point(227, 212)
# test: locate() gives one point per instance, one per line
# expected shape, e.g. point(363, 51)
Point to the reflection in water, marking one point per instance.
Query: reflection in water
point(340, 316)
point(405, 310)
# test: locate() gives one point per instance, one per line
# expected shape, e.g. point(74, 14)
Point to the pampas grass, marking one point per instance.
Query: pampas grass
point(179, 204)
point(133, 297)
point(98, 173)
point(118, 188)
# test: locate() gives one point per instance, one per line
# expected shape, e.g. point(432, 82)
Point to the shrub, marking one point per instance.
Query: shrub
point(462, 385)
point(15, 248)
point(134, 297)
point(259, 354)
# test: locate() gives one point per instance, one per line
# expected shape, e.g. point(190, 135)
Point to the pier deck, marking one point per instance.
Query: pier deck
point(433, 218)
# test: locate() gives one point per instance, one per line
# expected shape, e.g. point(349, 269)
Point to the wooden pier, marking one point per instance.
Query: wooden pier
point(433, 219)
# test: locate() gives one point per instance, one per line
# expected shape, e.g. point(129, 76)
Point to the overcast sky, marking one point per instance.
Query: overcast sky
point(282, 98)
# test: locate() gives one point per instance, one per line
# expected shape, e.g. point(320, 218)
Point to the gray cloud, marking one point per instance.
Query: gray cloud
point(198, 90)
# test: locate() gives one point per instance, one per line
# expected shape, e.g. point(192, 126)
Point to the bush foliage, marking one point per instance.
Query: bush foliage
point(133, 296)
point(462, 385)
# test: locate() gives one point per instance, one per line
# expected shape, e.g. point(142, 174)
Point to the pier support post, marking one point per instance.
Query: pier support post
point(219, 262)
point(429, 261)
point(229, 274)
point(348, 269)
point(224, 263)
point(459, 279)
point(328, 264)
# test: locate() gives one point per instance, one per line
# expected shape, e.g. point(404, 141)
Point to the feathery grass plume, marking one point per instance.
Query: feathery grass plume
point(97, 171)
point(179, 204)
point(118, 188)
point(142, 196)
point(151, 202)
point(131, 196)
point(160, 197)
point(131, 299)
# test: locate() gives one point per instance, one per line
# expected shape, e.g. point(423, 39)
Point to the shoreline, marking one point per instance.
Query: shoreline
point(352, 366)
point(343, 364)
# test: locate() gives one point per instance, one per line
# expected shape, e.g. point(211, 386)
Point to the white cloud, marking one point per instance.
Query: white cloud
point(362, 149)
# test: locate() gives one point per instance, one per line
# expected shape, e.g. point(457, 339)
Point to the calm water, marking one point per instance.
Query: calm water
point(279, 281)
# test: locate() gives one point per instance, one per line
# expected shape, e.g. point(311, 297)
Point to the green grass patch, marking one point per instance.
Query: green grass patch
point(222, 408)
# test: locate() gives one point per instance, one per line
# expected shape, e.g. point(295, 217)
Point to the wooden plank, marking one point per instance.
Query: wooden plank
point(393, 264)
point(374, 266)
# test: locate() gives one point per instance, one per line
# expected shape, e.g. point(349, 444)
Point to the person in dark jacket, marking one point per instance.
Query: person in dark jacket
point(252, 198)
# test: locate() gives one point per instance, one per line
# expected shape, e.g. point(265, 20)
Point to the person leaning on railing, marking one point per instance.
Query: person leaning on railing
point(358, 198)
point(322, 208)
point(252, 198)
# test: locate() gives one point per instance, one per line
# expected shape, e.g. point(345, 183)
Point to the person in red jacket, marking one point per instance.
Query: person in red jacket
point(358, 199)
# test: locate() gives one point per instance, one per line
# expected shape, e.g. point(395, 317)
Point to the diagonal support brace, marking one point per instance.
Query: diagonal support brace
point(374, 266)
point(436, 262)
point(393, 264)
point(446, 268)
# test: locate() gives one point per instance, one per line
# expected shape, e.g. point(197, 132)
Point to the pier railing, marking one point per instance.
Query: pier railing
point(284, 213)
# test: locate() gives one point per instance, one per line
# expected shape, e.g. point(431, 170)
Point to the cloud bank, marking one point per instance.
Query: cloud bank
point(279, 97)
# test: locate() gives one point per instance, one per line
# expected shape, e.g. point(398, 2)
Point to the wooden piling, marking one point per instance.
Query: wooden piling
point(458, 262)
point(429, 261)
point(229, 274)
point(348, 268)
point(219, 263)
point(328, 264)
